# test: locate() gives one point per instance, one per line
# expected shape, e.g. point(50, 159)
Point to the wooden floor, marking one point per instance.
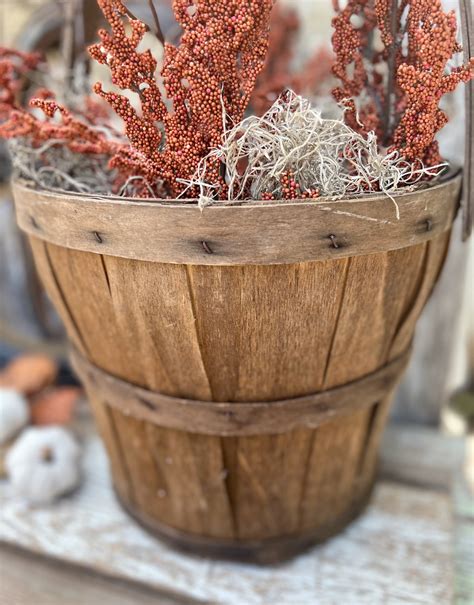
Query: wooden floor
point(27, 579)
point(85, 551)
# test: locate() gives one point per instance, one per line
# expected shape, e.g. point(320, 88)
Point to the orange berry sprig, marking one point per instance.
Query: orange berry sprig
point(425, 79)
point(419, 41)
point(208, 78)
point(16, 122)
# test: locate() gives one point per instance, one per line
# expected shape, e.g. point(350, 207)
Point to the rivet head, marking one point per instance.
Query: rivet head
point(207, 248)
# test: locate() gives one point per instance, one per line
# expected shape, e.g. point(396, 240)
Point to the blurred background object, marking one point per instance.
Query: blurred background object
point(61, 29)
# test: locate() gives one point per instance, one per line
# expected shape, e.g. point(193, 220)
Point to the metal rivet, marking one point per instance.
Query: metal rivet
point(146, 403)
point(206, 247)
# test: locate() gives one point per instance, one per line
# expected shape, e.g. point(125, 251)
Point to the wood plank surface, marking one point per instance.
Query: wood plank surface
point(26, 579)
point(421, 456)
point(250, 233)
point(233, 418)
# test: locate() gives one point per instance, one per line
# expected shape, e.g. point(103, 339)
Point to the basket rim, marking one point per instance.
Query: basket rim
point(253, 233)
point(30, 186)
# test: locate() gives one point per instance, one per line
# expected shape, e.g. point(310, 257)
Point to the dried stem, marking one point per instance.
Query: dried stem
point(468, 184)
point(389, 117)
point(158, 33)
point(67, 41)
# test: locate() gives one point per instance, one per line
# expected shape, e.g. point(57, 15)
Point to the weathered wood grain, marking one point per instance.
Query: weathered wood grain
point(247, 342)
point(250, 233)
point(435, 256)
point(51, 582)
point(234, 418)
point(238, 334)
point(421, 456)
point(52, 286)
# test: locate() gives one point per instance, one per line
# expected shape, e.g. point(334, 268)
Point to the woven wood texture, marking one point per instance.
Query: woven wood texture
point(254, 333)
point(234, 418)
point(248, 333)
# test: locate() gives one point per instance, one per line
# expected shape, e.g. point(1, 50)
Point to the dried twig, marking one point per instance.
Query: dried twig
point(389, 117)
point(67, 40)
point(157, 31)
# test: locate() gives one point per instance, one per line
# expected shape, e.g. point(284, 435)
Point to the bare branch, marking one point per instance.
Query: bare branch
point(468, 184)
point(388, 117)
point(157, 31)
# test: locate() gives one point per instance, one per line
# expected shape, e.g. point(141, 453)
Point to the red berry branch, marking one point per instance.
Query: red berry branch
point(355, 64)
point(392, 59)
point(208, 78)
point(408, 75)
point(14, 69)
point(425, 79)
point(16, 122)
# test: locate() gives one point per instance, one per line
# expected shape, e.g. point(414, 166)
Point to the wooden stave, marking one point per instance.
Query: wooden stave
point(364, 431)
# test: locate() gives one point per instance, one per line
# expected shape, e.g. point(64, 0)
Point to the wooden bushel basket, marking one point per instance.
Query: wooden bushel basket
point(240, 360)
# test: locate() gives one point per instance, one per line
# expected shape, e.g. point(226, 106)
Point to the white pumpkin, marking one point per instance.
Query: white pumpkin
point(14, 413)
point(43, 464)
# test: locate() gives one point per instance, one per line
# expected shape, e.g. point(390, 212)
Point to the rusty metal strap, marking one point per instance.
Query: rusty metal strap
point(237, 418)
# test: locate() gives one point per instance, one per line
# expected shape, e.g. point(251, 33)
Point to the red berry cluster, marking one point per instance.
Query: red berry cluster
point(14, 68)
point(353, 28)
point(415, 55)
point(208, 78)
point(424, 80)
point(291, 189)
point(15, 121)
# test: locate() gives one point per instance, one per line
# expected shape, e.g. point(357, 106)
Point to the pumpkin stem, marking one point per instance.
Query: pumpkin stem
point(47, 454)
